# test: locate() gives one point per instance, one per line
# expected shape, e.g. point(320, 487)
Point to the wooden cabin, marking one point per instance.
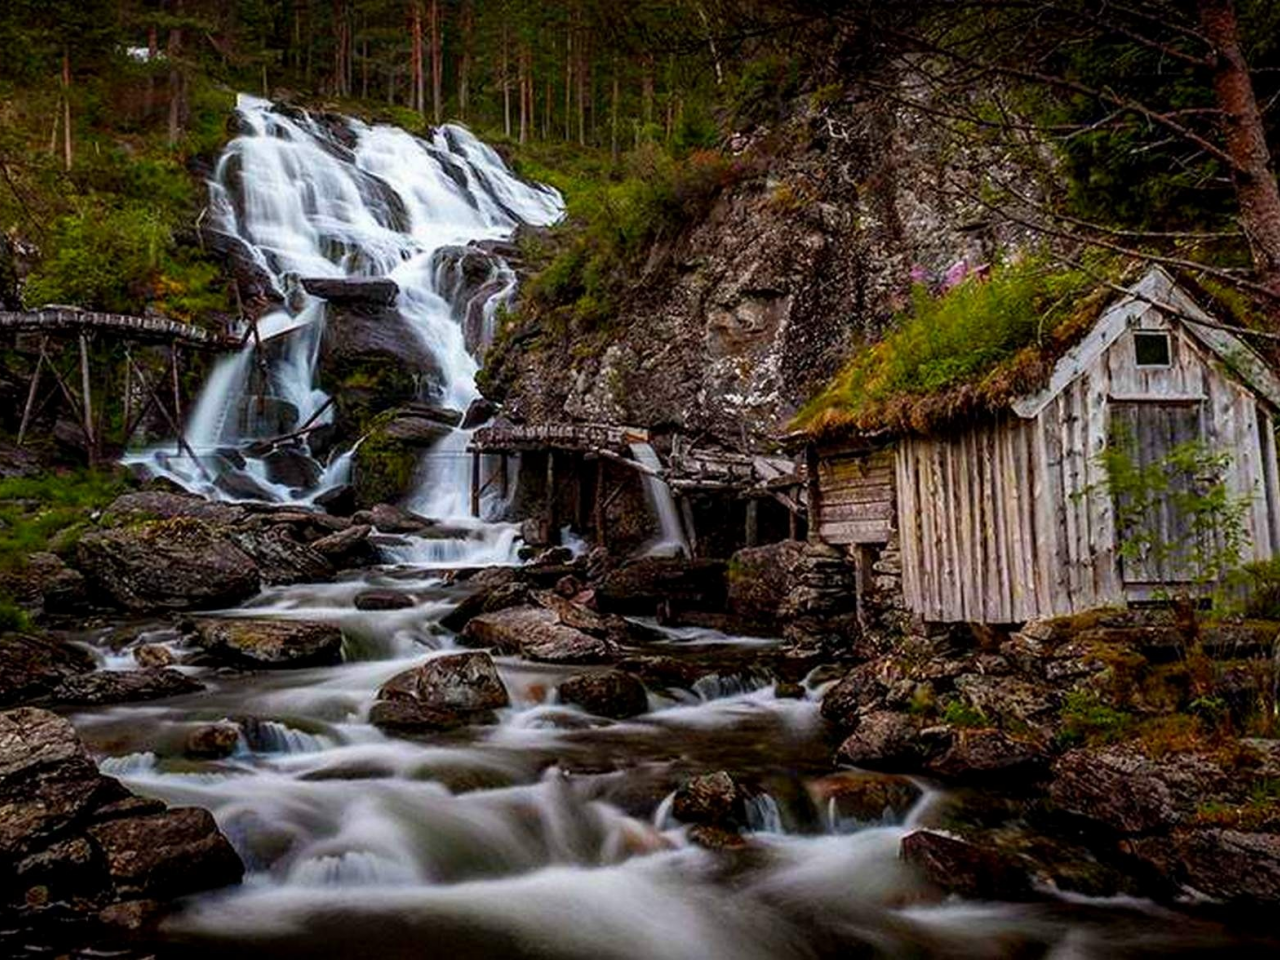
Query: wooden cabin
point(1009, 518)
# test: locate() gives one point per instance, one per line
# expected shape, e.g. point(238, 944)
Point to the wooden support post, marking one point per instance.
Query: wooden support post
point(503, 480)
point(815, 491)
point(177, 394)
point(475, 483)
point(87, 399)
point(128, 397)
point(599, 504)
point(579, 493)
point(753, 522)
point(793, 518)
point(183, 446)
point(31, 394)
point(553, 504)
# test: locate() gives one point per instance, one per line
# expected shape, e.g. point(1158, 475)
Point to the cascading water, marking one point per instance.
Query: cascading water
point(309, 199)
point(671, 539)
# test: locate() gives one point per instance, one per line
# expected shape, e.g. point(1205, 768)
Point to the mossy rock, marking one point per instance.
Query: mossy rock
point(363, 388)
point(383, 467)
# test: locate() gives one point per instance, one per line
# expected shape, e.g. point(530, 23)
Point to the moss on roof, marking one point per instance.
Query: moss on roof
point(968, 351)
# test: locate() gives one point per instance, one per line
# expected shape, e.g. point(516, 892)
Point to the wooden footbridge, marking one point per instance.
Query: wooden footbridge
point(689, 472)
point(43, 333)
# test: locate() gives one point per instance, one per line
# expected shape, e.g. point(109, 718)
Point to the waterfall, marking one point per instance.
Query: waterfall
point(334, 198)
point(671, 540)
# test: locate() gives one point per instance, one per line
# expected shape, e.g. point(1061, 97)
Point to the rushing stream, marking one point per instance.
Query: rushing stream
point(549, 834)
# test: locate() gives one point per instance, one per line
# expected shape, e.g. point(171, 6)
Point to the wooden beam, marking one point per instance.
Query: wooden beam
point(814, 491)
point(87, 397)
point(599, 503)
point(177, 395)
point(753, 522)
point(475, 483)
point(633, 464)
point(691, 531)
point(259, 447)
point(552, 505)
point(31, 394)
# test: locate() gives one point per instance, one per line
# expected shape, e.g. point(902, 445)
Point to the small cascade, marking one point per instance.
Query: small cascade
point(671, 540)
point(299, 198)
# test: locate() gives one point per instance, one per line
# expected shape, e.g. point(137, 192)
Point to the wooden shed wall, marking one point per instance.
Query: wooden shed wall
point(855, 496)
point(1009, 520)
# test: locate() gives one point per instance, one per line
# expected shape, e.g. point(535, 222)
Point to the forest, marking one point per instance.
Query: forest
point(731, 479)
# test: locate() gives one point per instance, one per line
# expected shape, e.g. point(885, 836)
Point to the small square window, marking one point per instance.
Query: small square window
point(1151, 349)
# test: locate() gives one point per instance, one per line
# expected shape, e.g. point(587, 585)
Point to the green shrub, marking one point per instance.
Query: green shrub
point(958, 713)
point(1087, 719)
point(13, 619)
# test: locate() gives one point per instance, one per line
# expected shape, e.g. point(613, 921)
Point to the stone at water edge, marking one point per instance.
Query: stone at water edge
point(213, 741)
point(123, 686)
point(344, 545)
point(536, 634)
point(176, 564)
point(712, 799)
point(353, 291)
point(382, 600)
point(865, 797)
point(69, 834)
point(883, 739)
point(153, 656)
point(339, 501)
point(964, 868)
point(33, 665)
point(391, 519)
point(447, 691)
point(609, 693)
point(271, 643)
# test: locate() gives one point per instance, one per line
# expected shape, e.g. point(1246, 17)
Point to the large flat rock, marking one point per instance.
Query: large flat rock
point(537, 634)
point(271, 643)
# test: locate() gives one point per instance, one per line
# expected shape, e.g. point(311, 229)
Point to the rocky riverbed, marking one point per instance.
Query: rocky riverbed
point(235, 727)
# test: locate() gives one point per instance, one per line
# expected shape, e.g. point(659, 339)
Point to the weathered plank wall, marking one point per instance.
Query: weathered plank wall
point(1010, 519)
point(855, 496)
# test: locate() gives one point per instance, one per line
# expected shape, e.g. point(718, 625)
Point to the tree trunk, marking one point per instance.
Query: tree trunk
point(464, 65)
point(418, 89)
point(581, 78)
point(437, 65)
point(646, 88)
point(506, 79)
point(568, 80)
point(66, 109)
point(1254, 175)
point(177, 82)
point(613, 114)
point(523, 84)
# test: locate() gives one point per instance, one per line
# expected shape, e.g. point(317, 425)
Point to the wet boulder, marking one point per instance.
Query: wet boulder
point(861, 690)
point(176, 564)
point(339, 501)
point(292, 467)
point(713, 799)
point(278, 556)
point(495, 589)
point(537, 634)
point(43, 581)
point(642, 586)
point(387, 518)
point(150, 656)
point(33, 665)
point(123, 686)
point(865, 797)
point(346, 547)
point(882, 739)
point(169, 854)
point(1231, 866)
point(1131, 793)
point(983, 754)
point(358, 292)
point(271, 643)
point(480, 412)
point(213, 741)
point(447, 691)
point(609, 693)
point(70, 835)
point(760, 581)
point(971, 871)
point(382, 600)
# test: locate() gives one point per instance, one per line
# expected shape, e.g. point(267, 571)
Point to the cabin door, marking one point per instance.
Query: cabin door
point(1155, 532)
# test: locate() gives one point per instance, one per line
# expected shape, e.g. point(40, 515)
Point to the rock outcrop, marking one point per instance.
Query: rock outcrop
point(77, 846)
point(445, 692)
point(537, 634)
point(271, 643)
point(609, 693)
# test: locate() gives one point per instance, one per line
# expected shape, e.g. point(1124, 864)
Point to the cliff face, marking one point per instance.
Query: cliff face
point(740, 319)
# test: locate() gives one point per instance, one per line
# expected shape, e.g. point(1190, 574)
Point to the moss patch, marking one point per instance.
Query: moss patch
point(383, 468)
point(971, 350)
